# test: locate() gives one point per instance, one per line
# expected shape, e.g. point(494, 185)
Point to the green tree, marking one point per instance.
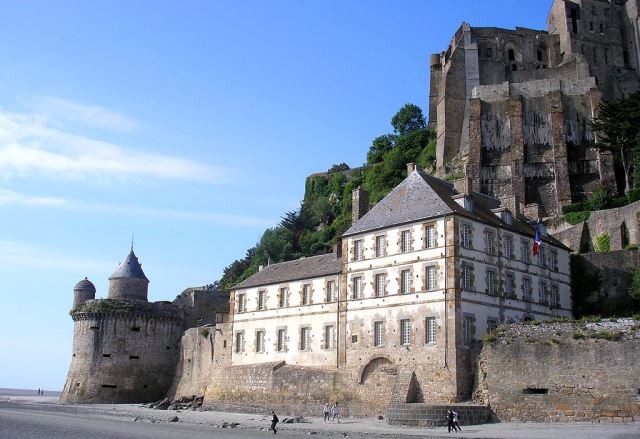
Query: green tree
point(379, 147)
point(339, 167)
point(634, 291)
point(618, 128)
point(408, 120)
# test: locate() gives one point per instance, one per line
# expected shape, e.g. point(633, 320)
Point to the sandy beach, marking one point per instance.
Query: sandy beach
point(33, 416)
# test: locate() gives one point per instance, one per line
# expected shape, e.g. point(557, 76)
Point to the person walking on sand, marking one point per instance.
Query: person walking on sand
point(326, 410)
point(450, 421)
point(456, 426)
point(274, 421)
point(335, 411)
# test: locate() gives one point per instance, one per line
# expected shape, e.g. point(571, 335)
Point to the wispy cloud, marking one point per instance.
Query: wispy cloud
point(20, 254)
point(8, 197)
point(58, 110)
point(30, 145)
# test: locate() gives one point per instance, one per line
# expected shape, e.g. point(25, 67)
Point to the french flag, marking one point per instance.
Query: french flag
point(536, 240)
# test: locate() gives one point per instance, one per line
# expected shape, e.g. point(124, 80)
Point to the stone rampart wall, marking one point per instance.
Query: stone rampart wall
point(562, 372)
point(622, 224)
point(121, 358)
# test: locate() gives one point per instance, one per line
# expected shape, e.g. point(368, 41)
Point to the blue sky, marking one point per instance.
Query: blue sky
point(191, 125)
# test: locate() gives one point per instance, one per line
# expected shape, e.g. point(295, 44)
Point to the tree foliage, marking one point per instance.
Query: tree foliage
point(618, 128)
point(408, 120)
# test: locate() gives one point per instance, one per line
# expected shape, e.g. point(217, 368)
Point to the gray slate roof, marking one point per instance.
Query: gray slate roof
point(130, 267)
point(412, 200)
point(421, 196)
point(305, 268)
point(85, 285)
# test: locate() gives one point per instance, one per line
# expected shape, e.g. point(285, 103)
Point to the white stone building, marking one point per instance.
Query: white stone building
point(419, 277)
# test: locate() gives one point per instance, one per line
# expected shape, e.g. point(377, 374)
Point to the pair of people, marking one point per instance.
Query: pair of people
point(452, 421)
point(332, 412)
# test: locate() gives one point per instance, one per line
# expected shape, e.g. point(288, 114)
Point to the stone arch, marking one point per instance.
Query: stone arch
point(542, 54)
point(378, 367)
point(512, 52)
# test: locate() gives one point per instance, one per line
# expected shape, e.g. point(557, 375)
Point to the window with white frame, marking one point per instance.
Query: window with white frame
point(405, 244)
point(260, 341)
point(491, 282)
point(331, 291)
point(508, 247)
point(488, 237)
point(542, 292)
point(509, 284)
point(304, 338)
point(468, 329)
point(281, 339)
point(282, 298)
point(239, 341)
point(430, 330)
point(430, 237)
point(430, 276)
point(555, 296)
point(380, 282)
point(542, 259)
point(306, 294)
point(405, 281)
point(467, 277)
point(553, 260)
point(527, 290)
point(242, 302)
point(525, 251)
point(328, 337)
point(357, 250)
point(356, 287)
point(378, 328)
point(262, 299)
point(380, 246)
point(405, 332)
point(466, 235)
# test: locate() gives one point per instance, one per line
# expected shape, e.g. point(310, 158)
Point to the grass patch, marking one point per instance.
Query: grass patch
point(490, 337)
point(203, 332)
point(606, 335)
point(577, 335)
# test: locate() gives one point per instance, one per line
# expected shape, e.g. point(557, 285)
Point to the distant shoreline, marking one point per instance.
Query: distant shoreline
point(27, 392)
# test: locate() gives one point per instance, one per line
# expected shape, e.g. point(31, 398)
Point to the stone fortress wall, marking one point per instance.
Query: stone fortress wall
point(562, 372)
point(516, 104)
point(122, 357)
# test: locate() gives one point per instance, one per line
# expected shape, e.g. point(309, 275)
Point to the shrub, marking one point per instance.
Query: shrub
point(599, 198)
point(631, 247)
point(633, 195)
point(634, 291)
point(577, 217)
point(576, 207)
point(577, 335)
point(203, 332)
point(490, 337)
point(603, 243)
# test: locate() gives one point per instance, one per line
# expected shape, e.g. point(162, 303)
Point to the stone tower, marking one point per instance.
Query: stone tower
point(129, 282)
point(83, 291)
point(125, 349)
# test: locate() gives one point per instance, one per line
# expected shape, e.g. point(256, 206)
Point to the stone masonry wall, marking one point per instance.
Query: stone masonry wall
point(622, 224)
point(562, 372)
point(121, 358)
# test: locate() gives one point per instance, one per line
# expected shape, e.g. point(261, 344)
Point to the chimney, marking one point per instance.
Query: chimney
point(359, 204)
point(463, 185)
point(412, 167)
point(512, 203)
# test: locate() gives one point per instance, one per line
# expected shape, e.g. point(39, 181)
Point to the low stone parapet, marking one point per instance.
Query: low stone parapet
point(435, 415)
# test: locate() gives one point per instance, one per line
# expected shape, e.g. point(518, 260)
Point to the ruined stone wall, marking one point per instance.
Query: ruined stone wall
point(202, 306)
point(622, 224)
point(562, 372)
point(122, 358)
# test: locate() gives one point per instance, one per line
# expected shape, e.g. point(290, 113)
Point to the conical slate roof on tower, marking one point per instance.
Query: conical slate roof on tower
point(129, 268)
